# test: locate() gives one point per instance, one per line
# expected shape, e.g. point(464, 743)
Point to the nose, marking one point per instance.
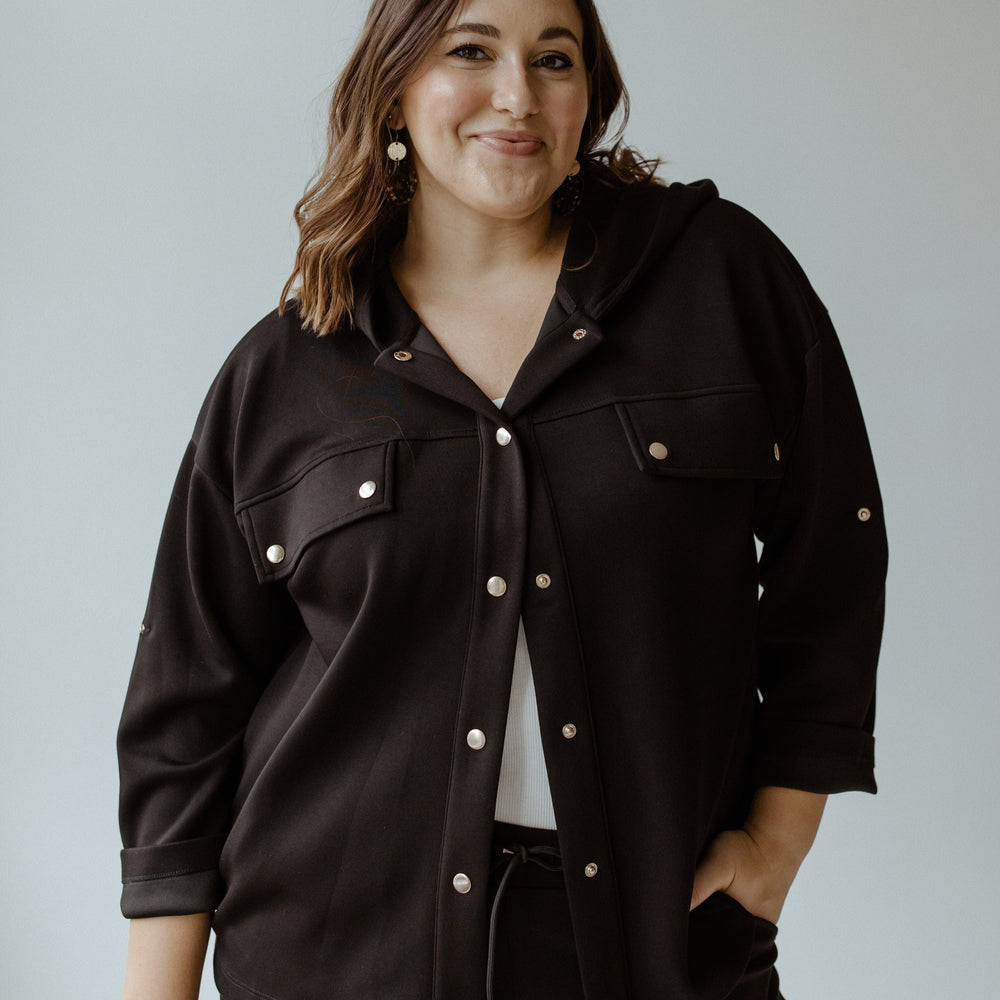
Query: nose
point(513, 91)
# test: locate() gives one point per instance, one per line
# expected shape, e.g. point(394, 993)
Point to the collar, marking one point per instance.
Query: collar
point(615, 236)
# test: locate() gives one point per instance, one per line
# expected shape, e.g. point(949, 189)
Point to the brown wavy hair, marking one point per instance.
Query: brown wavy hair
point(345, 207)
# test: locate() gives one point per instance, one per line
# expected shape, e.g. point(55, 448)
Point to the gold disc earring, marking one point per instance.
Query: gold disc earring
point(401, 184)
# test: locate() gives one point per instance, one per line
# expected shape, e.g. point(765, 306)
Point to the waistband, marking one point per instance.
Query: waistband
point(511, 833)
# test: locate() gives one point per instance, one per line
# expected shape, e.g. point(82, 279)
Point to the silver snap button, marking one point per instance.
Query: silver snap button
point(275, 553)
point(366, 490)
point(462, 883)
point(569, 731)
point(591, 870)
point(864, 514)
point(777, 453)
point(503, 437)
point(143, 628)
point(476, 739)
point(543, 581)
point(402, 355)
point(659, 450)
point(579, 334)
point(497, 586)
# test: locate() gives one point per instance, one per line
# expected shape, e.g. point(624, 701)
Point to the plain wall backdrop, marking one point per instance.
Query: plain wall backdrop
point(152, 154)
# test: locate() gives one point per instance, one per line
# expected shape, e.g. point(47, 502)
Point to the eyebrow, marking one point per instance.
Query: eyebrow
point(491, 31)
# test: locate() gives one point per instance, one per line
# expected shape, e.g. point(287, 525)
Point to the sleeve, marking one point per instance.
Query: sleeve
point(822, 569)
point(210, 636)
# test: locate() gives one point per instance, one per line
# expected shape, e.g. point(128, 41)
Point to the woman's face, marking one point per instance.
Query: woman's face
point(496, 110)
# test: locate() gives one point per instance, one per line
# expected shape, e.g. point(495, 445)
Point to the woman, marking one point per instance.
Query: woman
point(454, 680)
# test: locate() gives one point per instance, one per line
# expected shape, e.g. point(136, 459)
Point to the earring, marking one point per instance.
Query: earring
point(569, 194)
point(401, 183)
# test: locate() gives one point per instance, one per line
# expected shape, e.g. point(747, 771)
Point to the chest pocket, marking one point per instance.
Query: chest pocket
point(721, 433)
point(337, 490)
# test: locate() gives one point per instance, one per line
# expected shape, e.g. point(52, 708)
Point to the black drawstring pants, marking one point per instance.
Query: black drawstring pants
point(531, 942)
point(532, 955)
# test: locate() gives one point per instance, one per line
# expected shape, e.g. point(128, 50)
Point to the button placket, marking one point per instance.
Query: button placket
point(566, 717)
point(485, 693)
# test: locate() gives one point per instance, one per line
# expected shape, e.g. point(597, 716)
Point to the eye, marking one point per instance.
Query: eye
point(472, 53)
point(554, 60)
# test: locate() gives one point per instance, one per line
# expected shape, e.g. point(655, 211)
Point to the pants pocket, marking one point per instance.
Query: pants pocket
point(760, 977)
point(731, 952)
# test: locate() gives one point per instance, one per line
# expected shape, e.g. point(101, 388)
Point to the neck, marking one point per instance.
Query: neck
point(471, 249)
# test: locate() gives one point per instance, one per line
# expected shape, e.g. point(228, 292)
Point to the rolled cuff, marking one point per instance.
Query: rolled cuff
point(813, 757)
point(172, 879)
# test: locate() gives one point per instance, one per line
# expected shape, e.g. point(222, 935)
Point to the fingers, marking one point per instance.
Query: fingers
point(735, 864)
point(716, 871)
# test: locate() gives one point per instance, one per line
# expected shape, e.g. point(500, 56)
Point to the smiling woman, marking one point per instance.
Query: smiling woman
point(495, 114)
point(344, 210)
point(456, 680)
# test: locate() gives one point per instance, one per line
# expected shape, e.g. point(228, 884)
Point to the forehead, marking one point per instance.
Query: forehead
point(525, 14)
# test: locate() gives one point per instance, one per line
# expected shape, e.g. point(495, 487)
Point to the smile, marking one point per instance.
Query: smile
point(511, 143)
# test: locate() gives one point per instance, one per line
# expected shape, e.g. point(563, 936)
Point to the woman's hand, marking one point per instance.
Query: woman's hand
point(737, 865)
point(757, 864)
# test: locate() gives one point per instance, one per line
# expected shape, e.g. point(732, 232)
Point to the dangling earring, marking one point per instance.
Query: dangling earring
point(569, 194)
point(396, 151)
point(402, 180)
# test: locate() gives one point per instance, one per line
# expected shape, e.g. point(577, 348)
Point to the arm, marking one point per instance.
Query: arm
point(757, 863)
point(819, 626)
point(212, 635)
point(165, 957)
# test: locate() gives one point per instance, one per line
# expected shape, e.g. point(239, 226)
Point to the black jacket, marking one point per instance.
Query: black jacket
point(326, 622)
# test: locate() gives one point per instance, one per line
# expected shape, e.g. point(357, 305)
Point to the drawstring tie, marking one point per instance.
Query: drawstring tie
point(545, 857)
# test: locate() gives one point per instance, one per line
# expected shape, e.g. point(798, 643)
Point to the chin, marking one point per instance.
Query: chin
point(512, 205)
point(511, 213)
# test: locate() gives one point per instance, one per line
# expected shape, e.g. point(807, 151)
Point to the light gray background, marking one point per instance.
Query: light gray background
point(152, 156)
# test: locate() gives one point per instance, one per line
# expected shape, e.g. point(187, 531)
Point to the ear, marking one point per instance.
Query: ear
point(396, 118)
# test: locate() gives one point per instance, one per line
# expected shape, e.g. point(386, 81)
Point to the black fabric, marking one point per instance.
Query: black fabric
point(320, 639)
point(535, 953)
point(534, 949)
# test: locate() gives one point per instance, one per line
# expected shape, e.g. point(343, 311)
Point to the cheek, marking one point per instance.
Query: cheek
point(440, 105)
point(570, 108)
point(572, 116)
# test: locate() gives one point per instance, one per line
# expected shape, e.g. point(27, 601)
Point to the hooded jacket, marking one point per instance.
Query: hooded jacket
point(352, 540)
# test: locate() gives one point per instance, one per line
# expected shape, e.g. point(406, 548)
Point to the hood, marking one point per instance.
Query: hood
point(619, 234)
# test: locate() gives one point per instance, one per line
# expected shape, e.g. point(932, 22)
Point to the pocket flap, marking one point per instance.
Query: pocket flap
point(724, 433)
point(339, 489)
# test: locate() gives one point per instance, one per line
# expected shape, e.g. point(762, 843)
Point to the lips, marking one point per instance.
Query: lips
point(510, 142)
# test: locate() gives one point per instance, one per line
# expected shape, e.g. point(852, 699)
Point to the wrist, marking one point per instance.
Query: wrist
point(783, 822)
